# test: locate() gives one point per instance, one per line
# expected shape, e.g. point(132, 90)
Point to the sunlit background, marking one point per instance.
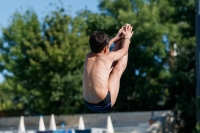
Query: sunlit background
point(43, 45)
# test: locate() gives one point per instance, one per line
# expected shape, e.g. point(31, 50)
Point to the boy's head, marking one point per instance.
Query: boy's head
point(98, 40)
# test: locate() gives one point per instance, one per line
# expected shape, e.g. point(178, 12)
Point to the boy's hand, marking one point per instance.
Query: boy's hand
point(127, 31)
point(119, 35)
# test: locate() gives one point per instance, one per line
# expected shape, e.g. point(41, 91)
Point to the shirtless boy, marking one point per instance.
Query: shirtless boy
point(103, 69)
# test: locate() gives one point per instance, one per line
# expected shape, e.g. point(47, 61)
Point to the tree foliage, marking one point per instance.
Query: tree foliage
point(45, 61)
point(182, 83)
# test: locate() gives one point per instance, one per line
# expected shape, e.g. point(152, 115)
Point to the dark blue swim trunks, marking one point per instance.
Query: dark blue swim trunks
point(102, 106)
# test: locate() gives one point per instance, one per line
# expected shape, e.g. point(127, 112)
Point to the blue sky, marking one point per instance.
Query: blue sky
point(41, 7)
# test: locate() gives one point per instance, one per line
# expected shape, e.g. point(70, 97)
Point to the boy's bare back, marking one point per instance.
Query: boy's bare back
point(95, 76)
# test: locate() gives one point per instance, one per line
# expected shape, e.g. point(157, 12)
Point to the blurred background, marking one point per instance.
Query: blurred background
point(43, 45)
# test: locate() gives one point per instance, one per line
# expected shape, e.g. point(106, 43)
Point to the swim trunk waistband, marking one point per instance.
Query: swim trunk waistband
point(102, 106)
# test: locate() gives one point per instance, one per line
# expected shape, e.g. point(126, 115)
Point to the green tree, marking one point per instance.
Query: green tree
point(182, 83)
point(45, 62)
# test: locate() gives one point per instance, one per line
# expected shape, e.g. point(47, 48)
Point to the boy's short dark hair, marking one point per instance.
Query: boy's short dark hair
point(98, 40)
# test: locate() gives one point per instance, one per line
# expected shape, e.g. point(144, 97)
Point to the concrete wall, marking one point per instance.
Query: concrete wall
point(89, 119)
point(127, 122)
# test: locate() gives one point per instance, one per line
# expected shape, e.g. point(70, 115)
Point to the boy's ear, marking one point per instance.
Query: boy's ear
point(104, 49)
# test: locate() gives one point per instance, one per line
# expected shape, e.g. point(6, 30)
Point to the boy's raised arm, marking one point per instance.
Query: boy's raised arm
point(127, 33)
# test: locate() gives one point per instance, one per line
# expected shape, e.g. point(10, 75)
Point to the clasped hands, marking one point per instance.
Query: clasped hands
point(124, 32)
